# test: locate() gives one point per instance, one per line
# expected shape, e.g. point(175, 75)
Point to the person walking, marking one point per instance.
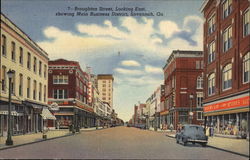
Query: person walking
point(171, 127)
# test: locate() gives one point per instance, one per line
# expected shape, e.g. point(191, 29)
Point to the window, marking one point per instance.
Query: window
point(211, 24)
point(44, 93)
point(34, 90)
point(13, 84)
point(246, 68)
point(211, 52)
point(34, 65)
point(4, 45)
point(199, 99)
point(20, 55)
point(211, 84)
point(28, 60)
point(40, 92)
point(28, 87)
point(60, 94)
point(13, 51)
point(20, 85)
point(60, 79)
point(197, 64)
point(199, 82)
point(227, 77)
point(3, 80)
point(227, 8)
point(45, 71)
point(246, 21)
point(199, 115)
point(40, 68)
point(227, 39)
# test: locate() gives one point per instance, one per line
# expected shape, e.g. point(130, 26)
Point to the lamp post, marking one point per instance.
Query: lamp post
point(191, 96)
point(9, 141)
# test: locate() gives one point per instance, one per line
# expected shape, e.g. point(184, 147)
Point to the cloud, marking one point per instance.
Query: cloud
point(168, 28)
point(128, 71)
point(154, 70)
point(130, 63)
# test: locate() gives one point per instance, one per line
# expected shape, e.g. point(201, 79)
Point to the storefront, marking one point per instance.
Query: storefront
point(229, 116)
point(164, 119)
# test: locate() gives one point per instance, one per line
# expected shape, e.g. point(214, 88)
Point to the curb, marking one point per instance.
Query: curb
point(42, 140)
point(244, 155)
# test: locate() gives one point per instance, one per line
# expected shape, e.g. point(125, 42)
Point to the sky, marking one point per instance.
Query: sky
point(134, 48)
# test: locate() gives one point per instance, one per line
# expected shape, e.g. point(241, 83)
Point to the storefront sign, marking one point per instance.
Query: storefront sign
point(240, 102)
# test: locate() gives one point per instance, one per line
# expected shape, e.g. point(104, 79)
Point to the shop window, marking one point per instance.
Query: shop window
point(199, 82)
point(211, 52)
point(211, 24)
point(183, 117)
point(3, 78)
point(246, 68)
point(199, 115)
point(4, 47)
point(20, 55)
point(246, 21)
point(211, 84)
point(227, 77)
point(227, 39)
point(227, 8)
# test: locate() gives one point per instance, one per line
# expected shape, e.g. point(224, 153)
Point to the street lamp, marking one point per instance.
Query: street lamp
point(9, 141)
point(191, 96)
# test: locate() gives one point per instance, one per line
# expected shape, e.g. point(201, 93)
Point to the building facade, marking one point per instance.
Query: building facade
point(227, 61)
point(183, 87)
point(105, 87)
point(68, 88)
point(30, 82)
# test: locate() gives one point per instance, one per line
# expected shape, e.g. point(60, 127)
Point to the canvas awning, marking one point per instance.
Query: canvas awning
point(46, 114)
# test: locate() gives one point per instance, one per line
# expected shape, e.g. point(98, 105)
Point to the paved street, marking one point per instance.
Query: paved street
point(117, 143)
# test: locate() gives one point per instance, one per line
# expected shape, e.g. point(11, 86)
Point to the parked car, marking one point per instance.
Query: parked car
point(192, 133)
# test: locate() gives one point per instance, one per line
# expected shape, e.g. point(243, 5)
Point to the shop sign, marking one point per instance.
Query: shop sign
point(240, 102)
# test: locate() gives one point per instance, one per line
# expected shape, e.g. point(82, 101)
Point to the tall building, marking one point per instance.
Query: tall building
point(105, 87)
point(68, 88)
point(183, 81)
point(29, 84)
point(227, 61)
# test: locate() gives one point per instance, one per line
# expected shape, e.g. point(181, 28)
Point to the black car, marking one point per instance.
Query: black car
point(192, 133)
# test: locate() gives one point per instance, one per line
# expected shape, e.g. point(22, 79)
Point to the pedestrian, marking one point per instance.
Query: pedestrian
point(171, 127)
point(212, 131)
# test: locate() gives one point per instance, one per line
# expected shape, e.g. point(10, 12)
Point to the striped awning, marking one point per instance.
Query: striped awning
point(46, 114)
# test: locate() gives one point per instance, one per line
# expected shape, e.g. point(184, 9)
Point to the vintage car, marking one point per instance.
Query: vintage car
point(192, 133)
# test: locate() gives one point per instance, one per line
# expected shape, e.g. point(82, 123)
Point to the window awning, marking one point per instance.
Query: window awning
point(46, 114)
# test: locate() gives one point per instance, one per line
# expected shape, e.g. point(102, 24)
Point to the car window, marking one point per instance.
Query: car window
point(194, 130)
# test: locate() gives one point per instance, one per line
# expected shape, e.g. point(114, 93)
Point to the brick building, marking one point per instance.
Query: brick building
point(183, 87)
point(227, 61)
point(68, 88)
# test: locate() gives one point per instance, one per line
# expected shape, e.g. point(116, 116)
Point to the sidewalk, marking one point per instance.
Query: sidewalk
point(233, 145)
point(33, 138)
point(38, 137)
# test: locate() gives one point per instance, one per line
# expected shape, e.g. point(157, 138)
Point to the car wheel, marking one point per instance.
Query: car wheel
point(184, 142)
point(204, 144)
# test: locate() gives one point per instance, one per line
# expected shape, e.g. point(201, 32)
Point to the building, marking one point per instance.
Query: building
point(29, 84)
point(227, 61)
point(68, 88)
point(183, 87)
point(105, 87)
